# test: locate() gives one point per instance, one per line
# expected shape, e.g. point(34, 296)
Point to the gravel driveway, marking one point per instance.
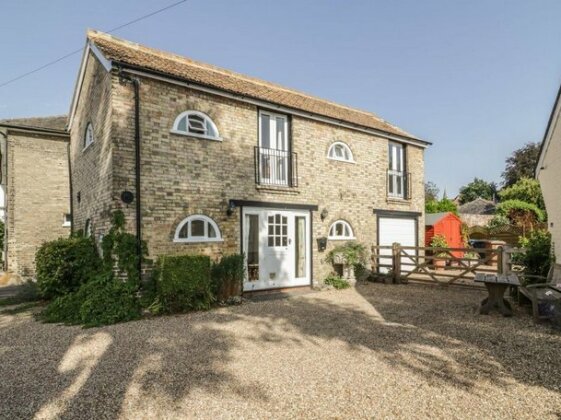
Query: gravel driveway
point(376, 351)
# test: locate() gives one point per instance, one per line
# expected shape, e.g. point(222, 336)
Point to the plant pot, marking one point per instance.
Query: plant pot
point(439, 264)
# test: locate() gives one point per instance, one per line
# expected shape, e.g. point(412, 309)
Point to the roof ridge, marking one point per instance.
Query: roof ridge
point(93, 34)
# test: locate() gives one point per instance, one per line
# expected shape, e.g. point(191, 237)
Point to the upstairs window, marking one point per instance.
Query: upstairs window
point(340, 151)
point(88, 135)
point(341, 230)
point(197, 228)
point(197, 124)
point(397, 177)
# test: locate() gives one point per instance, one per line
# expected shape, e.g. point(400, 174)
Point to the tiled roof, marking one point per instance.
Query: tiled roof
point(133, 54)
point(57, 122)
point(478, 206)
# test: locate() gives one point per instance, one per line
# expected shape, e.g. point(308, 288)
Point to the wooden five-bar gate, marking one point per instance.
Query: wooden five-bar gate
point(445, 266)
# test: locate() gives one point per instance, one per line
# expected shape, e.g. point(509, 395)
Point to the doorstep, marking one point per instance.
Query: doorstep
point(281, 293)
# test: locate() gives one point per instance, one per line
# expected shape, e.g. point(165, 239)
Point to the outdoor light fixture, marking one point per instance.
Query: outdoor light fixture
point(324, 214)
point(322, 243)
point(127, 197)
point(231, 208)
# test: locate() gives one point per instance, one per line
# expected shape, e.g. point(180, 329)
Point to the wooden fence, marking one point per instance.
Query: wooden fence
point(443, 266)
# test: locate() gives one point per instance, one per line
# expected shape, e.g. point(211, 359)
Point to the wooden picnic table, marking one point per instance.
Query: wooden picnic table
point(496, 285)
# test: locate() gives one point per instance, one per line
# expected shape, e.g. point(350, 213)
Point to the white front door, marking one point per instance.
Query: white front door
point(397, 230)
point(276, 244)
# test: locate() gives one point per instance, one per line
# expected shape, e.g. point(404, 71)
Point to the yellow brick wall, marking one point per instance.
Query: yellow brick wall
point(37, 196)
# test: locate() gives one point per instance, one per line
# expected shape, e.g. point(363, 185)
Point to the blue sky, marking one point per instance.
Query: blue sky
point(477, 78)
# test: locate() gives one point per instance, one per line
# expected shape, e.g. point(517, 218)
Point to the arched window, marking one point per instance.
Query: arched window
point(197, 228)
point(197, 124)
point(341, 230)
point(88, 135)
point(340, 151)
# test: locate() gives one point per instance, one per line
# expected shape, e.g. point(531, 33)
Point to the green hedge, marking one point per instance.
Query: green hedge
point(227, 276)
point(63, 265)
point(507, 208)
point(183, 283)
point(102, 301)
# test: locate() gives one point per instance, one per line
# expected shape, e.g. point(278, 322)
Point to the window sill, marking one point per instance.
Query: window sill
point(335, 238)
point(277, 188)
point(398, 200)
point(197, 136)
point(342, 160)
point(197, 241)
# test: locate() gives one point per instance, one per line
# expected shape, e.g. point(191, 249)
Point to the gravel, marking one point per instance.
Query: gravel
point(376, 351)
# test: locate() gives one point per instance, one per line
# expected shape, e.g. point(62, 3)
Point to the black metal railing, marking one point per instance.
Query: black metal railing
point(276, 167)
point(398, 184)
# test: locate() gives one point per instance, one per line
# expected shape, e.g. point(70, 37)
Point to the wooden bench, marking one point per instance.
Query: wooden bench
point(542, 294)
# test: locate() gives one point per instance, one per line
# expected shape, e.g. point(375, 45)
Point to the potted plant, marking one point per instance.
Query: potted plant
point(351, 257)
point(438, 242)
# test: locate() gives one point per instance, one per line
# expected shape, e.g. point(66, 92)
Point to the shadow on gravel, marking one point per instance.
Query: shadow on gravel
point(49, 371)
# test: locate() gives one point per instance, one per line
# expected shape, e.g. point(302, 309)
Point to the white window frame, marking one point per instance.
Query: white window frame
point(346, 147)
point(89, 136)
point(197, 239)
point(335, 237)
point(396, 168)
point(206, 119)
point(278, 172)
point(66, 222)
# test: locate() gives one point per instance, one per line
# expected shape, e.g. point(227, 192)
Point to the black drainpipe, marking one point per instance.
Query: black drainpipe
point(68, 153)
point(136, 85)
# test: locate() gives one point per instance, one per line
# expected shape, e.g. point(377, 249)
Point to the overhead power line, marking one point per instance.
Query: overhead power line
point(50, 63)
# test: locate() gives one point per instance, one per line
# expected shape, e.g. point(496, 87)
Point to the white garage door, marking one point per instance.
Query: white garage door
point(400, 230)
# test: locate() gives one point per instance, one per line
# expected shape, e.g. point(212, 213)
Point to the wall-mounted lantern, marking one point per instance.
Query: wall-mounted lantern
point(324, 213)
point(322, 243)
point(231, 208)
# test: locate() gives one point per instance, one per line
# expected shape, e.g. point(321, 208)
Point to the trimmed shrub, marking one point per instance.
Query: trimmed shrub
point(227, 277)
point(102, 301)
point(183, 283)
point(515, 209)
point(63, 265)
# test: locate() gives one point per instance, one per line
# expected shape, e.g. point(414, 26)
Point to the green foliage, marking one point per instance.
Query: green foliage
point(444, 205)
point(337, 282)
point(431, 191)
point(525, 189)
point(521, 213)
point(63, 265)
point(102, 301)
point(439, 241)
point(521, 164)
point(120, 248)
point(538, 256)
point(498, 221)
point(478, 188)
point(227, 276)
point(108, 301)
point(351, 252)
point(183, 283)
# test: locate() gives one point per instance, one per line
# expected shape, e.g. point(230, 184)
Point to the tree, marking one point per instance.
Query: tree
point(525, 189)
point(431, 191)
point(521, 164)
point(476, 189)
point(524, 215)
point(444, 205)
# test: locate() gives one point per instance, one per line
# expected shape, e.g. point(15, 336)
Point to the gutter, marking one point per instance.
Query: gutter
point(126, 78)
point(39, 130)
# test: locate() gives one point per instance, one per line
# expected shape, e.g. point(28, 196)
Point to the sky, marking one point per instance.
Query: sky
point(476, 78)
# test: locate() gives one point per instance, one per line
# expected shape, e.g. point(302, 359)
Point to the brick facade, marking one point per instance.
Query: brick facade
point(184, 175)
point(35, 173)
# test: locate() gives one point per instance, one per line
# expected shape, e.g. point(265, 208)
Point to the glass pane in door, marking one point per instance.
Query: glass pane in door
point(252, 222)
point(300, 246)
